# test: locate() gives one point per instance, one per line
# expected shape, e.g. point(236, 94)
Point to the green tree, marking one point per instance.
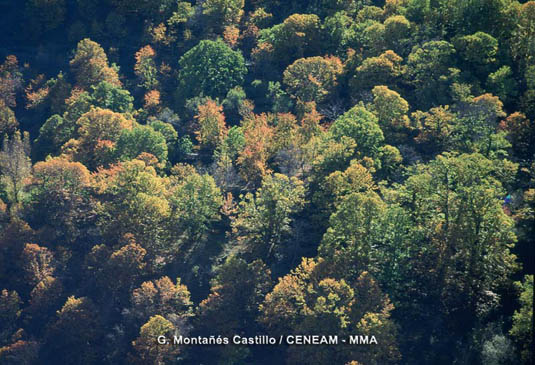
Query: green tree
point(329, 7)
point(478, 50)
point(54, 133)
point(195, 201)
point(522, 330)
point(15, 164)
point(337, 31)
point(146, 69)
point(349, 240)
point(477, 127)
point(456, 211)
point(363, 127)
point(106, 95)
point(222, 13)
point(232, 305)
point(502, 84)
point(391, 110)
point(142, 138)
point(333, 188)
point(428, 70)
point(397, 29)
point(435, 128)
point(134, 201)
point(235, 294)
point(308, 300)
point(524, 34)
point(263, 221)
point(8, 122)
point(297, 37)
point(211, 68)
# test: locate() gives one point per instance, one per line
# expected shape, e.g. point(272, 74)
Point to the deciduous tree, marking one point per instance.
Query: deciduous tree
point(212, 129)
point(211, 68)
point(147, 350)
point(90, 65)
point(308, 300)
point(15, 164)
point(522, 330)
point(314, 78)
point(264, 220)
point(98, 131)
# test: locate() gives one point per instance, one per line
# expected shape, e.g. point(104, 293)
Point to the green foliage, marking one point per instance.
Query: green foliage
point(15, 164)
point(456, 202)
point(522, 330)
point(387, 146)
point(502, 84)
point(351, 235)
point(479, 48)
point(133, 142)
point(195, 204)
point(184, 147)
point(308, 300)
point(476, 129)
point(53, 134)
point(263, 221)
point(109, 96)
point(8, 122)
point(233, 143)
point(391, 110)
point(297, 37)
point(337, 31)
point(363, 127)
point(232, 305)
point(418, 10)
point(211, 69)
point(397, 32)
point(136, 199)
point(223, 12)
point(234, 103)
point(429, 69)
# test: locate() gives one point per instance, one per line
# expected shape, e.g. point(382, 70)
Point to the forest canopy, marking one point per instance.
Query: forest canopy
point(267, 168)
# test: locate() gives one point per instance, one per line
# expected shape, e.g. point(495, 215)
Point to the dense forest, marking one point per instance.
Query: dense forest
point(266, 167)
